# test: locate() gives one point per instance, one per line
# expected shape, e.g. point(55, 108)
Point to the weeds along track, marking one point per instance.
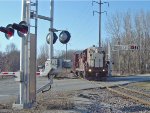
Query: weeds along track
point(132, 94)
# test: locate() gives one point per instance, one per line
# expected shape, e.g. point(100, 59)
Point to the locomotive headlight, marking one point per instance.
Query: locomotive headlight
point(90, 70)
point(103, 70)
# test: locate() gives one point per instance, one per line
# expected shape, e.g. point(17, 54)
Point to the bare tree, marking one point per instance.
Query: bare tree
point(43, 54)
point(113, 28)
point(69, 54)
point(11, 58)
point(11, 47)
point(131, 30)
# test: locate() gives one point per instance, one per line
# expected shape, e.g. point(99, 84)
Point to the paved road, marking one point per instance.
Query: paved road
point(9, 88)
point(126, 79)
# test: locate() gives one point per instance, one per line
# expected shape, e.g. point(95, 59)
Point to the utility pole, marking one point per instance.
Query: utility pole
point(100, 12)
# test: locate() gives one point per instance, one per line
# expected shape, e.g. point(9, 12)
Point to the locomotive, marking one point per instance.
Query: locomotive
point(90, 64)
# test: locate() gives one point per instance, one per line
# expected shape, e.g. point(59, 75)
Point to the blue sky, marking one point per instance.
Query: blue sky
point(73, 15)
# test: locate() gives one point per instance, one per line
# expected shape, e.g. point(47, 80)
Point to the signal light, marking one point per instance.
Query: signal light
point(22, 28)
point(8, 30)
point(54, 38)
point(134, 47)
point(64, 37)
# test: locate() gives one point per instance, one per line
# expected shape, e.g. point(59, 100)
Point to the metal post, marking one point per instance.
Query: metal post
point(22, 85)
point(119, 61)
point(27, 53)
point(140, 57)
point(51, 26)
point(36, 22)
point(100, 24)
point(109, 59)
point(66, 51)
point(22, 56)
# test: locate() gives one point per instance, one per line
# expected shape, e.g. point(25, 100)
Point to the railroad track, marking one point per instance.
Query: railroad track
point(128, 93)
point(132, 94)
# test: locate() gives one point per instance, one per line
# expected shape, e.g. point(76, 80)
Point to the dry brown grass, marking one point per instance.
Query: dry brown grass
point(47, 101)
point(54, 101)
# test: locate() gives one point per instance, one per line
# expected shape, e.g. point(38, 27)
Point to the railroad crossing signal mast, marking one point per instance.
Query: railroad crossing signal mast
point(28, 53)
point(27, 74)
point(26, 96)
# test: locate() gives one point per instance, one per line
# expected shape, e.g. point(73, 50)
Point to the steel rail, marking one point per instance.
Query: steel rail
point(129, 96)
point(134, 91)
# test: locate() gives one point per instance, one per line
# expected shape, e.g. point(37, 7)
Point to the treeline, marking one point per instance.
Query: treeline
point(130, 29)
point(44, 53)
point(10, 59)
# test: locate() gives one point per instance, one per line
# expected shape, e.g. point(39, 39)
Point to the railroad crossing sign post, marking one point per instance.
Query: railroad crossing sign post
point(24, 101)
point(27, 74)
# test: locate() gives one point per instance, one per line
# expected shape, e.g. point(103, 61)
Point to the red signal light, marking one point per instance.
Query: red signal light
point(8, 30)
point(132, 47)
point(22, 28)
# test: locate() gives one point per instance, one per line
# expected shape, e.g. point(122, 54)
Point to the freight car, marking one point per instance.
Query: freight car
point(90, 64)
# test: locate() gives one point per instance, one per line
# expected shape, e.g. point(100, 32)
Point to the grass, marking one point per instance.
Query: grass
point(54, 101)
point(60, 104)
point(145, 85)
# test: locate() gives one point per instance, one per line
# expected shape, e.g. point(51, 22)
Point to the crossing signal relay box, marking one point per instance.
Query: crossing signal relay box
point(54, 66)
